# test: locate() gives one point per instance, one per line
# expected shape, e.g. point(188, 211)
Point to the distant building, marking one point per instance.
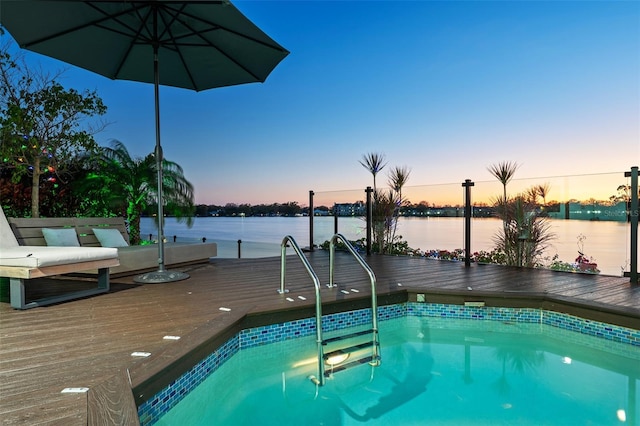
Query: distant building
point(578, 211)
point(446, 212)
point(350, 209)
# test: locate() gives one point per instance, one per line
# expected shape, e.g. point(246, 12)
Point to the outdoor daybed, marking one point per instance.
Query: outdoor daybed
point(26, 262)
point(111, 232)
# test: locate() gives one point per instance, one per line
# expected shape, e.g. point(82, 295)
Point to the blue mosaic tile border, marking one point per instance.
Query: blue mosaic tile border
point(527, 315)
point(305, 327)
point(154, 409)
point(602, 330)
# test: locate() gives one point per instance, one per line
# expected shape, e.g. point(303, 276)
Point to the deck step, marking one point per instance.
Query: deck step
point(347, 336)
point(360, 361)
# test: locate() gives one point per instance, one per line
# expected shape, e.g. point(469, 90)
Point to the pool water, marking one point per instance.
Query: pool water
point(433, 371)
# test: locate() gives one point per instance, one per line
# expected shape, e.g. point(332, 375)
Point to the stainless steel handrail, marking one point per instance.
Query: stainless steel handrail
point(316, 283)
point(372, 277)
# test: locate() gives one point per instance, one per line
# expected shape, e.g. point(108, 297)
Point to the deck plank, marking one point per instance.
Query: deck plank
point(88, 342)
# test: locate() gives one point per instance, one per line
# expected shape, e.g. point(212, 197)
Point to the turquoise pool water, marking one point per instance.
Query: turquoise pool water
point(434, 371)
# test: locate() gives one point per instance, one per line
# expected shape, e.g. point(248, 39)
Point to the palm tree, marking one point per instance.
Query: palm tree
point(543, 191)
point(398, 177)
point(525, 234)
point(374, 162)
point(128, 185)
point(504, 172)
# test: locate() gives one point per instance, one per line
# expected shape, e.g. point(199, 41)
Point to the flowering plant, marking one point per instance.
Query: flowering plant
point(455, 255)
point(494, 256)
point(583, 263)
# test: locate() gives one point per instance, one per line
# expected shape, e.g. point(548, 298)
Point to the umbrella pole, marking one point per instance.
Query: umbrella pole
point(159, 158)
point(161, 275)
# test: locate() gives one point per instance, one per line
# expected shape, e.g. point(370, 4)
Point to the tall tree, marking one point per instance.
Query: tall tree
point(128, 185)
point(42, 126)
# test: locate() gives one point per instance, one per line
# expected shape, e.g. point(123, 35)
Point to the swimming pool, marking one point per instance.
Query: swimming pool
point(439, 364)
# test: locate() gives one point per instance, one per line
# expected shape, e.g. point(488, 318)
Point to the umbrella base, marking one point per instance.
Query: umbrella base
point(158, 277)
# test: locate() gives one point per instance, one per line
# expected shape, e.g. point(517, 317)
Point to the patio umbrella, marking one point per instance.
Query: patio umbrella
point(192, 44)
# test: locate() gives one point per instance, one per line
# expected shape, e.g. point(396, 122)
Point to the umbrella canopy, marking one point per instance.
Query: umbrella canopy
point(200, 44)
point(192, 44)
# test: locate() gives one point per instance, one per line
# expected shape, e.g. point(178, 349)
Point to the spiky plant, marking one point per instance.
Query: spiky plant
point(504, 172)
point(543, 190)
point(398, 177)
point(525, 234)
point(384, 205)
point(374, 162)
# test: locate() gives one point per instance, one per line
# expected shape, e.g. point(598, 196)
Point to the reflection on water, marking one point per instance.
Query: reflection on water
point(517, 359)
point(607, 242)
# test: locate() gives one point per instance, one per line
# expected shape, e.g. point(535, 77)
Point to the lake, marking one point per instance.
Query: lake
point(608, 243)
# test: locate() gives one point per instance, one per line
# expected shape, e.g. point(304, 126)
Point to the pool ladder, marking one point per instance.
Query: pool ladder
point(364, 352)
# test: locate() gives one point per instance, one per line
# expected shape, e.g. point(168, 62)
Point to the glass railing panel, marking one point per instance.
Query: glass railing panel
point(338, 211)
point(585, 214)
point(433, 218)
point(258, 236)
point(430, 219)
point(246, 249)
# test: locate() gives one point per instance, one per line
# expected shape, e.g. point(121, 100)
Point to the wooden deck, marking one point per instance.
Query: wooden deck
point(89, 342)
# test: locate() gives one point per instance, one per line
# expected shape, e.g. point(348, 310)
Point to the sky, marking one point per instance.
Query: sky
point(445, 88)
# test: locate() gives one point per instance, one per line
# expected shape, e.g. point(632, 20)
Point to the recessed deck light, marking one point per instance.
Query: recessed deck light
point(171, 337)
point(74, 390)
point(141, 354)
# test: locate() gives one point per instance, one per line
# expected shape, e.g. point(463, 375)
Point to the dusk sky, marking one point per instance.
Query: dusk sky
point(445, 88)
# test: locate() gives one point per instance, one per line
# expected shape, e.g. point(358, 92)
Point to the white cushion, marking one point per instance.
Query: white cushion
point(109, 237)
point(40, 256)
point(63, 237)
point(7, 238)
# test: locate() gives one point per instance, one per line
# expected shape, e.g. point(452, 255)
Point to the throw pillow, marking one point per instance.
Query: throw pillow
point(110, 237)
point(63, 237)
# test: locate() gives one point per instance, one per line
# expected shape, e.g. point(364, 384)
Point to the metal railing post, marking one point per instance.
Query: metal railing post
point(311, 193)
point(369, 190)
point(633, 219)
point(467, 222)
